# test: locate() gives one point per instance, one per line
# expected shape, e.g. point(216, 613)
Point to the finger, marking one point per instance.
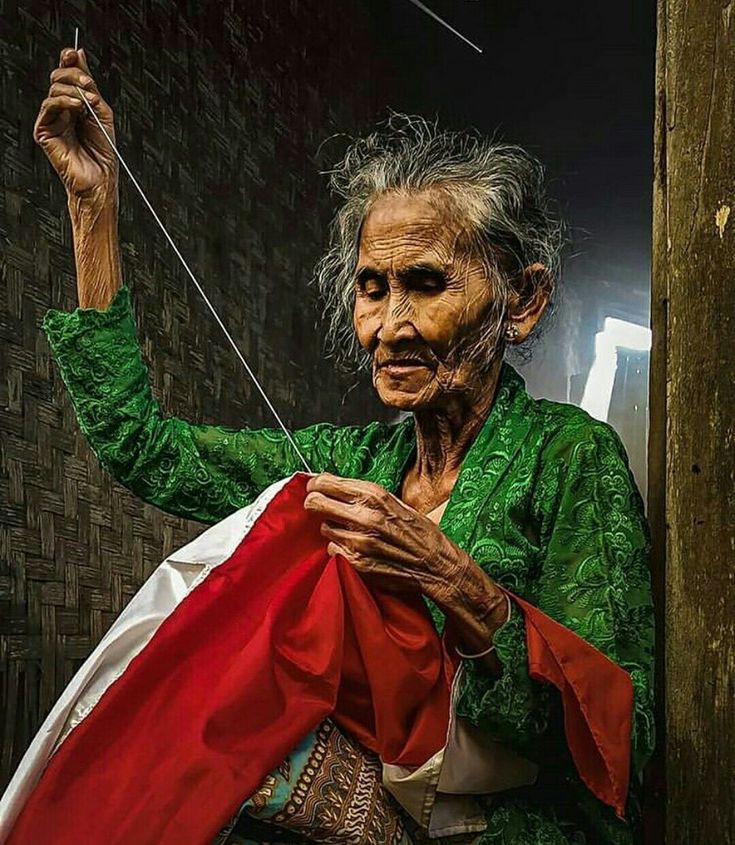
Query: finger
point(100, 107)
point(67, 57)
point(336, 549)
point(52, 106)
point(74, 76)
point(348, 489)
point(343, 488)
point(82, 59)
point(59, 89)
point(367, 545)
point(384, 573)
point(334, 510)
point(354, 542)
point(386, 576)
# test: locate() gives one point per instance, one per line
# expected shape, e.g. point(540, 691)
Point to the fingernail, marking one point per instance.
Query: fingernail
point(84, 80)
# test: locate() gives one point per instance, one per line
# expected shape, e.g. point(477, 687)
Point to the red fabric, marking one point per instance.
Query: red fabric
point(275, 639)
point(597, 695)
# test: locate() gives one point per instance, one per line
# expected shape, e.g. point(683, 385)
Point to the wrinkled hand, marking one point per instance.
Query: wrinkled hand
point(72, 141)
point(384, 538)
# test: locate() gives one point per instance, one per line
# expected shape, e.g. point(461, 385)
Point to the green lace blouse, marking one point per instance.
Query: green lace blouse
point(544, 502)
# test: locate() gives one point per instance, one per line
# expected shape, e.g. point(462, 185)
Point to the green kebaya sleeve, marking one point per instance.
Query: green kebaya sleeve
point(594, 579)
point(197, 471)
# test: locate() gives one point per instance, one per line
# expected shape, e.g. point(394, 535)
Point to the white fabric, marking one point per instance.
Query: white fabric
point(438, 512)
point(438, 794)
point(171, 582)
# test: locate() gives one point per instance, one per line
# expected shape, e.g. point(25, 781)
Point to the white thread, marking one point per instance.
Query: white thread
point(192, 276)
point(424, 8)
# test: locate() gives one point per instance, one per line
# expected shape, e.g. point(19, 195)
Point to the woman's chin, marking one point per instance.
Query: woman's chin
point(404, 397)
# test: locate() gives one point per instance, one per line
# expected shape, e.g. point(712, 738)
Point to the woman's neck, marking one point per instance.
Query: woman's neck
point(443, 438)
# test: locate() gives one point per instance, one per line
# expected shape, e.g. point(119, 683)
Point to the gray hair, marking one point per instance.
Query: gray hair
point(498, 188)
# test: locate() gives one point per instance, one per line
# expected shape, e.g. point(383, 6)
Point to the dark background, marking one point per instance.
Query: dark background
point(221, 108)
point(573, 82)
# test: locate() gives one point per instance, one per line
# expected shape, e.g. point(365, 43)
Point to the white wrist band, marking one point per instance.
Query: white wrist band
point(492, 647)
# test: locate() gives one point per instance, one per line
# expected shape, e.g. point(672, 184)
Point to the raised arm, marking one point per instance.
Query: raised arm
point(81, 156)
point(198, 471)
point(193, 470)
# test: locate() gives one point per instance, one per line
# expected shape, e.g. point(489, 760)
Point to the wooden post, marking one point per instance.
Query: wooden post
point(692, 443)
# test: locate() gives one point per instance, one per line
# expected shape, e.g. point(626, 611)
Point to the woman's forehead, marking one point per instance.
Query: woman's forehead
point(415, 224)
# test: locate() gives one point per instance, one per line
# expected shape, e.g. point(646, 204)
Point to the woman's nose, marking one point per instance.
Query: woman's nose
point(396, 324)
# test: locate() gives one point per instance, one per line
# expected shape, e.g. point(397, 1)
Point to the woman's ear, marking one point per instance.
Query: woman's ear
point(528, 301)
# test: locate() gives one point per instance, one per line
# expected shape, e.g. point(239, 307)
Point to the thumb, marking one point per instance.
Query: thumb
point(82, 60)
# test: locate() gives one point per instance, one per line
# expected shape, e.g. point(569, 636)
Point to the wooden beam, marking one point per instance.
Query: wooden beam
point(692, 442)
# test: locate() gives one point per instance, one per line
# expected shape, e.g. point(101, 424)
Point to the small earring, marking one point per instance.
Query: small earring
point(512, 333)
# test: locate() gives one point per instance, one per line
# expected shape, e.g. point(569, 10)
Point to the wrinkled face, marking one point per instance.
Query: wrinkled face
point(418, 292)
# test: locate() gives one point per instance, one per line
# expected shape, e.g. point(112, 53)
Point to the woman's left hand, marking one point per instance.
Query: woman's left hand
point(381, 536)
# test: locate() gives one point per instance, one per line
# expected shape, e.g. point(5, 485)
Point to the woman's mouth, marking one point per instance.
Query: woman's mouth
point(403, 366)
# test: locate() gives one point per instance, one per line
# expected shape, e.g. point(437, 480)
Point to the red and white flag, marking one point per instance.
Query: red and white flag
point(238, 645)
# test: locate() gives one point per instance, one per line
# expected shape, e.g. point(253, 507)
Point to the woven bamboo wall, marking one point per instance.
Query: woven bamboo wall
point(220, 108)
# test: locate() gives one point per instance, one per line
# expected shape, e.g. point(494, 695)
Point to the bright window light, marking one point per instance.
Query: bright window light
point(615, 334)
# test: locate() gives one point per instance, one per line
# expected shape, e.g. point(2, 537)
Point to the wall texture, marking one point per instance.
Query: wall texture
point(220, 109)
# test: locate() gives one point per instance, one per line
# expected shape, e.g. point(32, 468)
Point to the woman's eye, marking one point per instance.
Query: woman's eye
point(429, 284)
point(374, 290)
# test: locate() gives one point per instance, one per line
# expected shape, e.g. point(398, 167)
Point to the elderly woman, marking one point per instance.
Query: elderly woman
point(443, 256)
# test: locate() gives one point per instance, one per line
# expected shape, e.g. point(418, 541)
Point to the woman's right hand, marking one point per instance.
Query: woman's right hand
point(70, 137)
